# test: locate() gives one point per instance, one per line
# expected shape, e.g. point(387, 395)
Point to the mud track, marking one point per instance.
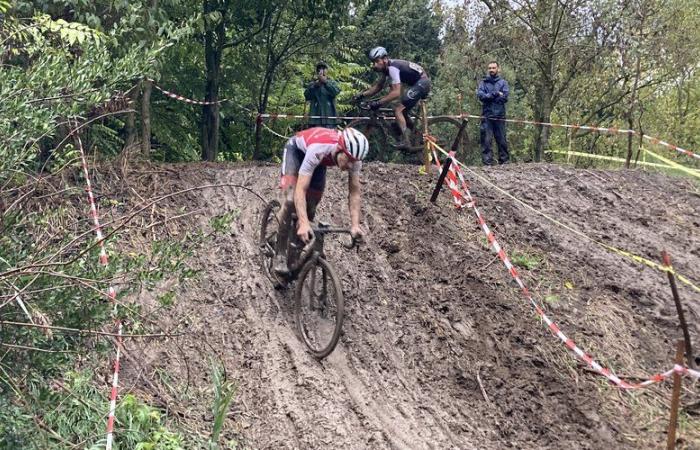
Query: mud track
point(439, 350)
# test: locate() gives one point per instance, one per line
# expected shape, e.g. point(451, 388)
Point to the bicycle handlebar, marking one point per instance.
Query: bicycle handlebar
point(363, 105)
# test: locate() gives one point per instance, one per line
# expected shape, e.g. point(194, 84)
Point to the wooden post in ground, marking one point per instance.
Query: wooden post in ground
point(568, 153)
point(679, 308)
point(675, 400)
point(441, 179)
point(426, 151)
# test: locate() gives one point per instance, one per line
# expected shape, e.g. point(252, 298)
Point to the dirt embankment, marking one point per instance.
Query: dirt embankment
point(439, 349)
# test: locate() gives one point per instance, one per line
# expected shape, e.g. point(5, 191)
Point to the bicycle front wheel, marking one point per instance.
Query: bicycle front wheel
point(319, 307)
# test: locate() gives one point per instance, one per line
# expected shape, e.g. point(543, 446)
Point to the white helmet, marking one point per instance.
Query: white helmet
point(377, 52)
point(356, 144)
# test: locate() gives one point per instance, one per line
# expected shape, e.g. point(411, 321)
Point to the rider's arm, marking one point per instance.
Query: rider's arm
point(354, 199)
point(394, 93)
point(303, 183)
point(378, 86)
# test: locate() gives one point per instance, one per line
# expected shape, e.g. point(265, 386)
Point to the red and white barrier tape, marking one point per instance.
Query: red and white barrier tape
point(180, 98)
point(111, 294)
point(583, 356)
point(654, 140)
point(610, 130)
point(302, 116)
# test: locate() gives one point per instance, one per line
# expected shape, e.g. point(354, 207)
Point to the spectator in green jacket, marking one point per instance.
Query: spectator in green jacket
point(321, 93)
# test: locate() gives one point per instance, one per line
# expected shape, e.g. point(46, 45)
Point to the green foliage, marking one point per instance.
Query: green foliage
point(552, 299)
point(222, 223)
point(143, 427)
point(54, 70)
point(74, 413)
point(223, 395)
point(526, 260)
point(31, 382)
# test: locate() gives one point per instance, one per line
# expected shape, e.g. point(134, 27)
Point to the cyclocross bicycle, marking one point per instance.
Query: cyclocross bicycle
point(384, 135)
point(318, 295)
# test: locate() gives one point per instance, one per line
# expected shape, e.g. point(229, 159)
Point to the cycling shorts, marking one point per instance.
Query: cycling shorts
point(416, 92)
point(291, 163)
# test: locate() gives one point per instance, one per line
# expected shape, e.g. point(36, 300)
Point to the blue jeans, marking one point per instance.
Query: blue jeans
point(493, 128)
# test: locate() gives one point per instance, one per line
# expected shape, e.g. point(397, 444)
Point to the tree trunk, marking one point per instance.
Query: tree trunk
point(146, 119)
point(130, 126)
point(213, 50)
point(543, 113)
point(632, 109)
point(264, 98)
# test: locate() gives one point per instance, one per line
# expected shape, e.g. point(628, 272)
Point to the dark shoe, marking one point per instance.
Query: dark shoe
point(280, 265)
point(405, 141)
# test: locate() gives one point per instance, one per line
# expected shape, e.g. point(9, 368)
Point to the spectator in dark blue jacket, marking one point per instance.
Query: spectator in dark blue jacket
point(493, 93)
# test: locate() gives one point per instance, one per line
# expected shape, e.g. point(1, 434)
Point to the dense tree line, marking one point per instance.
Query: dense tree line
point(624, 63)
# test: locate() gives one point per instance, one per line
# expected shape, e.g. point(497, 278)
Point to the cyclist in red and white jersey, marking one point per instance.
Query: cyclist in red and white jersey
point(306, 157)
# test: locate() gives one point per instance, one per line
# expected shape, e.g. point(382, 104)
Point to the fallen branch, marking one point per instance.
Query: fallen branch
point(93, 332)
point(122, 225)
point(481, 385)
point(35, 349)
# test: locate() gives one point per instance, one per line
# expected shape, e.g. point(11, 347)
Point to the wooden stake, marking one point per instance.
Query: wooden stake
point(679, 308)
point(675, 400)
point(441, 180)
point(426, 151)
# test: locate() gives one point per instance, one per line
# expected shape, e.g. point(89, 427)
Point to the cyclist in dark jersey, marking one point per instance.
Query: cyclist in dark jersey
point(398, 72)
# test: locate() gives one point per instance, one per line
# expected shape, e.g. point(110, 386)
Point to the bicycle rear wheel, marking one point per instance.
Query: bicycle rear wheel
point(319, 307)
point(451, 134)
point(376, 135)
point(269, 228)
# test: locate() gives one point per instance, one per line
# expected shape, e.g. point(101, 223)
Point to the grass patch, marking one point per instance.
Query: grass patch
point(525, 260)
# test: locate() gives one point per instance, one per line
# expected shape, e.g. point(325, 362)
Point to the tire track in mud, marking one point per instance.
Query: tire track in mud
point(438, 351)
point(299, 386)
point(286, 356)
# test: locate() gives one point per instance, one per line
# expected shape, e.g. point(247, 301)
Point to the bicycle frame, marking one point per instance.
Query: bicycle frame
point(314, 248)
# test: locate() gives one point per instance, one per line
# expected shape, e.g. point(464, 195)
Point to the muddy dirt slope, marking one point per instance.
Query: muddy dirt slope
point(439, 349)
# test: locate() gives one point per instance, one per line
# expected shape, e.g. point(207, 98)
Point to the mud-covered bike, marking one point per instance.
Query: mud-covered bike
point(384, 135)
point(319, 307)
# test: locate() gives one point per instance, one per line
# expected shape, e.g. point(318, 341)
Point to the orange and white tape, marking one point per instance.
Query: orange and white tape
point(180, 98)
point(306, 117)
point(111, 294)
point(580, 354)
point(609, 130)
